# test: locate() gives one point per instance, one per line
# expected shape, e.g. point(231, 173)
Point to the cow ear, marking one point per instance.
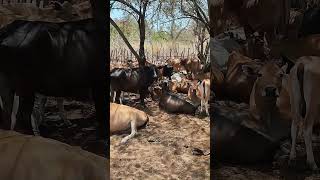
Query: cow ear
point(248, 70)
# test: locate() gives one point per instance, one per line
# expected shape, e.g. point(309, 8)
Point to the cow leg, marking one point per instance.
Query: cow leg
point(121, 96)
point(142, 96)
point(207, 107)
point(118, 96)
point(308, 126)
point(133, 132)
point(201, 104)
point(294, 128)
point(114, 94)
point(24, 114)
point(62, 112)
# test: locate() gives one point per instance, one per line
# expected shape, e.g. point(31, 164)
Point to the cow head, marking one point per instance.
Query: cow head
point(154, 72)
point(269, 80)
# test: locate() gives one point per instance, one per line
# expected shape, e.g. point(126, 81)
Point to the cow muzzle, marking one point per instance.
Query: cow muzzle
point(270, 92)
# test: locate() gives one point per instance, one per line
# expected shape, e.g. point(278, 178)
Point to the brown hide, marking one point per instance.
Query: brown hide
point(36, 158)
point(122, 115)
point(238, 84)
point(265, 92)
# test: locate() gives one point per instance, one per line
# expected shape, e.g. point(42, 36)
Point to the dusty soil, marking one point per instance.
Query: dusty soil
point(82, 132)
point(170, 147)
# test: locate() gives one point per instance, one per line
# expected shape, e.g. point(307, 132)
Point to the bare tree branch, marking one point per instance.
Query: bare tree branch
point(114, 24)
point(129, 6)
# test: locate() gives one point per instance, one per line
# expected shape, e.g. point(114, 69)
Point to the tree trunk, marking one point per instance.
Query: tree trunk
point(142, 30)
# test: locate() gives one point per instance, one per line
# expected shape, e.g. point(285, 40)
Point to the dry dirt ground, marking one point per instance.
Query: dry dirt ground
point(170, 147)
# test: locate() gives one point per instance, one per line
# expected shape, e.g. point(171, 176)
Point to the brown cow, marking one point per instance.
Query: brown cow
point(193, 65)
point(176, 64)
point(180, 87)
point(36, 158)
point(240, 77)
point(123, 117)
point(304, 93)
point(266, 90)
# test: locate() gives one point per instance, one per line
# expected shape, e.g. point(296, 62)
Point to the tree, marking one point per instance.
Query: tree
point(138, 9)
point(197, 10)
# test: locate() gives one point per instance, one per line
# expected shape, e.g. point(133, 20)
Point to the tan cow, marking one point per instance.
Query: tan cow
point(123, 117)
point(180, 87)
point(265, 92)
point(193, 65)
point(175, 63)
point(200, 91)
point(304, 97)
point(35, 158)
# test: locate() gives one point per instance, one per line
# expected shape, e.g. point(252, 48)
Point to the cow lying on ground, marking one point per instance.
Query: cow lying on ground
point(240, 77)
point(304, 92)
point(55, 59)
point(173, 104)
point(36, 158)
point(135, 80)
point(180, 87)
point(123, 117)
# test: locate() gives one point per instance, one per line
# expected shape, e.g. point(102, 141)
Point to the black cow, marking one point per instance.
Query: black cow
point(310, 23)
point(135, 80)
point(55, 59)
point(173, 104)
point(166, 71)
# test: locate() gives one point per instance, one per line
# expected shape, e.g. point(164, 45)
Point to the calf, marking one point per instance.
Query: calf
point(265, 92)
point(203, 92)
point(304, 97)
point(35, 158)
point(123, 117)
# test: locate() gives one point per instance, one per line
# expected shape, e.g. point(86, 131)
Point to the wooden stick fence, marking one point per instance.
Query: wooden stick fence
point(123, 55)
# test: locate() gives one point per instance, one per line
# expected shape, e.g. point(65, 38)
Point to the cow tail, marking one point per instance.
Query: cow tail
point(300, 76)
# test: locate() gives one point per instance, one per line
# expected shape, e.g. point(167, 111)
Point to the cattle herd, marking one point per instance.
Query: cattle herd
point(161, 83)
point(277, 77)
point(273, 71)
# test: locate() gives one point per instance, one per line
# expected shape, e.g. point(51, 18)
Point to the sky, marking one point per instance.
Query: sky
point(116, 14)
